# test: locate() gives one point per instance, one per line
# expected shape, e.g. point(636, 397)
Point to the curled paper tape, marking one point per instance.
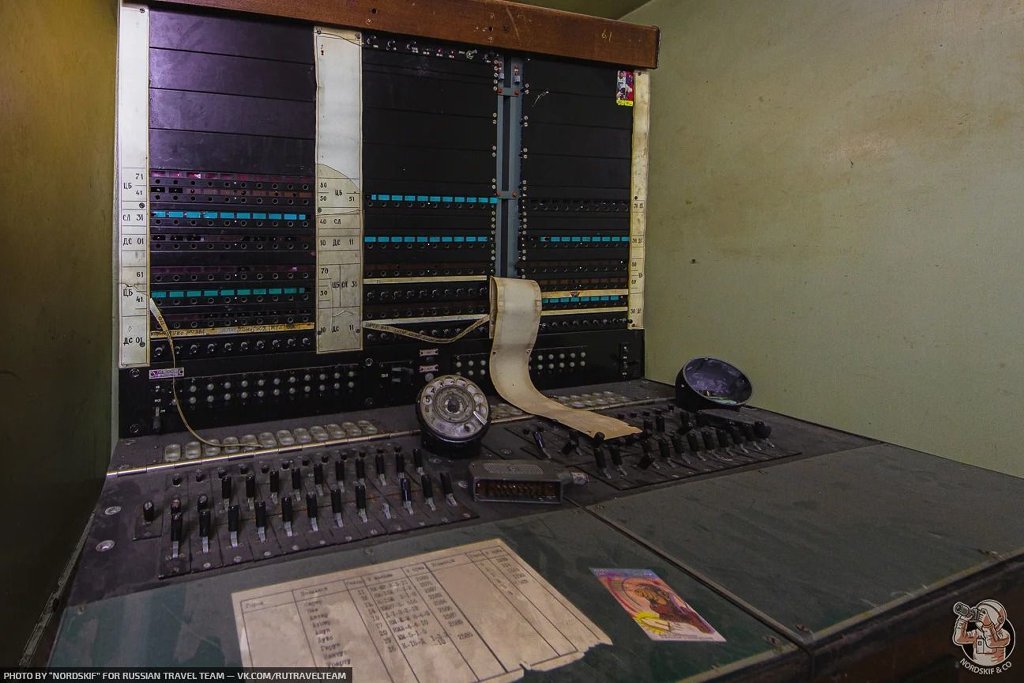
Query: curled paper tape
point(515, 317)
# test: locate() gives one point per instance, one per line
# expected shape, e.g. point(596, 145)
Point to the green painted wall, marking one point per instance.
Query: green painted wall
point(57, 114)
point(836, 203)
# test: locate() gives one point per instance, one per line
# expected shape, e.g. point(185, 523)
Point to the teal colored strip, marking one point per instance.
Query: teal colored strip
point(260, 216)
point(446, 238)
point(193, 292)
point(421, 198)
point(447, 200)
point(211, 292)
point(471, 200)
point(435, 198)
point(370, 240)
point(291, 216)
point(460, 238)
point(192, 214)
point(244, 292)
point(409, 238)
point(244, 216)
point(259, 291)
point(227, 292)
point(159, 214)
point(291, 290)
point(494, 200)
point(435, 239)
point(176, 214)
point(410, 197)
point(275, 216)
point(178, 295)
point(159, 295)
point(276, 290)
point(209, 214)
point(421, 239)
point(227, 214)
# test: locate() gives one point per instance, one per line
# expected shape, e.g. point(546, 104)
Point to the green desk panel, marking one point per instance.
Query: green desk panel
point(822, 544)
point(191, 623)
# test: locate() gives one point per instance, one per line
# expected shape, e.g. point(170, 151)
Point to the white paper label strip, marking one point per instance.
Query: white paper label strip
point(638, 212)
point(515, 316)
point(470, 613)
point(339, 199)
point(133, 181)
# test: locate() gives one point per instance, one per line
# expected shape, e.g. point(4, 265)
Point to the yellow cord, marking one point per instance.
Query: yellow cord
point(426, 337)
point(155, 310)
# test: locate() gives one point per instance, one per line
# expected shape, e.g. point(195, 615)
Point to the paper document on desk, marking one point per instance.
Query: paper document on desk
point(470, 613)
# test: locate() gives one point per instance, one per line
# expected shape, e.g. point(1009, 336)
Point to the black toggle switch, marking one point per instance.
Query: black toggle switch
point(148, 511)
point(659, 423)
point(318, 474)
point(336, 504)
point(677, 444)
point(737, 434)
point(361, 502)
point(709, 440)
point(312, 510)
point(339, 470)
point(645, 461)
point(399, 463)
point(297, 479)
point(287, 513)
point(616, 456)
point(360, 468)
point(663, 449)
point(428, 487)
point(275, 481)
point(446, 484)
point(261, 515)
point(378, 463)
point(202, 502)
point(177, 527)
point(599, 459)
point(250, 486)
point(538, 440)
point(648, 427)
point(762, 429)
point(693, 441)
point(225, 488)
point(204, 525)
point(233, 522)
point(572, 444)
point(723, 438)
point(417, 459)
point(748, 431)
point(406, 491)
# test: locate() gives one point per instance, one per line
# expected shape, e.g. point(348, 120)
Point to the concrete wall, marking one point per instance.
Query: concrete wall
point(837, 206)
point(57, 114)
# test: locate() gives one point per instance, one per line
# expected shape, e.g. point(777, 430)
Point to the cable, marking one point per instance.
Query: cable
point(155, 310)
point(426, 337)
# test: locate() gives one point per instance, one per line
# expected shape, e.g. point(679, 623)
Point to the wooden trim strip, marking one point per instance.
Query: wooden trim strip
point(495, 23)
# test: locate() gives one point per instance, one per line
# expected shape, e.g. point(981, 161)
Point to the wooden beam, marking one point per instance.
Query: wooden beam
point(495, 23)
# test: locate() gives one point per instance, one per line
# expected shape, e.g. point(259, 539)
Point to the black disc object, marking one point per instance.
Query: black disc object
point(711, 383)
point(454, 415)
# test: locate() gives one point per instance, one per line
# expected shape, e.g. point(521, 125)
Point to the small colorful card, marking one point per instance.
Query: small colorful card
point(655, 607)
